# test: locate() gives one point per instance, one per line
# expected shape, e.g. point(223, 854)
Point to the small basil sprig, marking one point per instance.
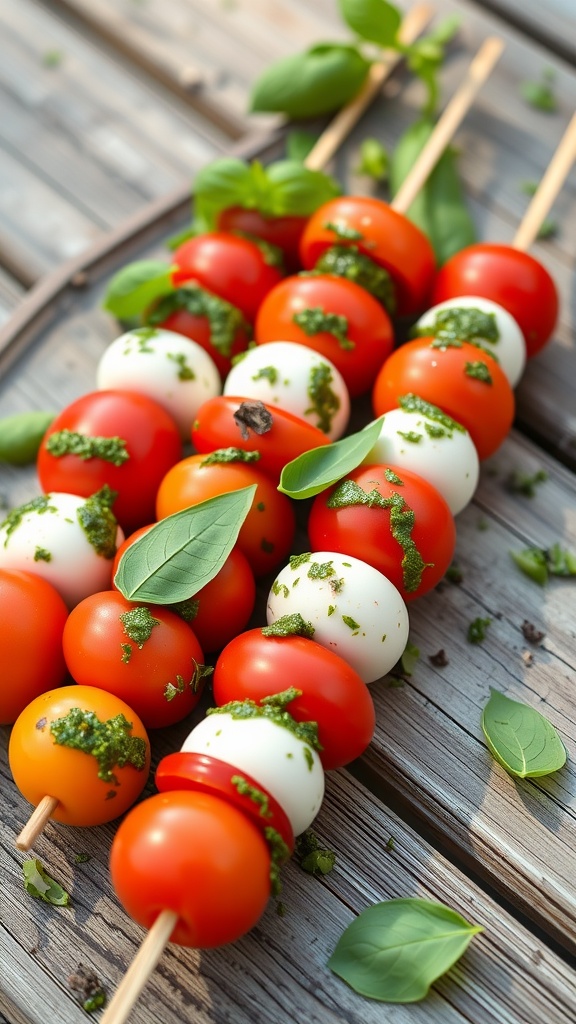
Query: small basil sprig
point(38, 884)
point(135, 286)
point(20, 436)
point(317, 469)
point(394, 951)
point(180, 554)
point(524, 742)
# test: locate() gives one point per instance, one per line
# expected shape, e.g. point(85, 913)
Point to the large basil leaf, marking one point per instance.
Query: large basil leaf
point(374, 20)
point(524, 742)
point(135, 286)
point(309, 84)
point(317, 469)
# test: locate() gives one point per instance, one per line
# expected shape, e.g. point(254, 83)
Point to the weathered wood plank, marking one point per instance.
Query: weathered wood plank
point(10, 295)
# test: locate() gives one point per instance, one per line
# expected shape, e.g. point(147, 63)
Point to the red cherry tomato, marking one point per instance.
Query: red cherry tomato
point(510, 277)
point(287, 437)
point(32, 619)
point(146, 655)
point(333, 316)
point(464, 381)
point(267, 532)
point(187, 770)
point(332, 693)
point(232, 267)
point(198, 856)
point(151, 442)
point(221, 331)
point(283, 232)
point(387, 237)
point(410, 538)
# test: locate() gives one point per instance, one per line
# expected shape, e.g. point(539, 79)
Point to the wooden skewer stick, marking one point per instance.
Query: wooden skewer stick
point(551, 184)
point(448, 123)
point(341, 125)
point(36, 822)
point(141, 968)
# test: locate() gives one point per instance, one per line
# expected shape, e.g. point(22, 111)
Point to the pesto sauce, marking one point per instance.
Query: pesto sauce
point(138, 624)
point(109, 742)
point(347, 261)
point(462, 324)
point(315, 320)
point(272, 708)
point(402, 518)
point(325, 402)
point(40, 505)
point(187, 609)
point(289, 625)
point(257, 796)
point(230, 454)
point(479, 371)
point(296, 561)
point(224, 319)
point(88, 446)
point(411, 436)
point(42, 555)
point(413, 403)
point(185, 372)
point(143, 335)
point(279, 853)
point(269, 373)
point(99, 523)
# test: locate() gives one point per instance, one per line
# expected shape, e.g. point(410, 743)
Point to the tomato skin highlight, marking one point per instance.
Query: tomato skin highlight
point(42, 767)
point(194, 854)
point(288, 437)
point(440, 376)
point(333, 694)
point(387, 237)
point(365, 530)
point(100, 652)
point(369, 334)
point(32, 620)
point(510, 277)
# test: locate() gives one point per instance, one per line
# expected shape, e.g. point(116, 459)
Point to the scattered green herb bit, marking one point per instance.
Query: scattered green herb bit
point(321, 570)
point(336, 584)
point(38, 884)
point(138, 624)
point(541, 94)
point(20, 436)
point(529, 188)
point(393, 477)
point(409, 658)
point(324, 400)
point(269, 373)
point(185, 372)
point(520, 482)
point(461, 323)
point(311, 856)
point(280, 588)
point(172, 690)
point(350, 622)
point(296, 561)
point(373, 159)
point(81, 858)
point(126, 653)
point(42, 555)
point(137, 285)
point(85, 446)
point(477, 630)
point(482, 523)
point(274, 709)
point(347, 261)
point(478, 370)
point(390, 844)
point(413, 403)
point(331, 609)
point(532, 562)
point(289, 625)
point(315, 320)
point(524, 742)
point(180, 554)
point(201, 672)
point(393, 951)
point(99, 523)
point(279, 854)
point(229, 455)
point(411, 436)
point(561, 562)
point(86, 985)
point(52, 58)
point(109, 742)
point(281, 909)
point(315, 470)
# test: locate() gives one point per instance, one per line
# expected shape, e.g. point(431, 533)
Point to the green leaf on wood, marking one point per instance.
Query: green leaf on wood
point(395, 950)
point(524, 742)
point(135, 286)
point(38, 884)
point(374, 20)
point(20, 436)
point(310, 84)
point(313, 471)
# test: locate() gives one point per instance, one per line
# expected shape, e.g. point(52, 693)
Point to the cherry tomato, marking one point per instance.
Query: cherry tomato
point(267, 532)
point(409, 536)
point(463, 380)
point(32, 618)
point(146, 655)
point(232, 267)
point(510, 277)
point(144, 439)
point(198, 856)
point(332, 693)
point(278, 435)
point(50, 754)
point(333, 316)
point(283, 232)
point(387, 237)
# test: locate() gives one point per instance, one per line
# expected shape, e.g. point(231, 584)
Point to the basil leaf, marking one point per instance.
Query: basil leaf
point(296, 190)
point(20, 436)
point(180, 554)
point(309, 84)
point(395, 950)
point(439, 209)
point(313, 471)
point(135, 286)
point(299, 144)
point(374, 20)
point(38, 884)
point(524, 742)
point(223, 183)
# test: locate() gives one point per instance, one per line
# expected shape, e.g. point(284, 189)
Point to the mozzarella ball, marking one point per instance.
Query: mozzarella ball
point(284, 765)
point(46, 537)
point(508, 346)
point(295, 378)
point(443, 455)
point(176, 371)
point(354, 609)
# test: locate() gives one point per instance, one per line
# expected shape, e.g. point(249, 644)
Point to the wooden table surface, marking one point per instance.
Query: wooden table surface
point(106, 107)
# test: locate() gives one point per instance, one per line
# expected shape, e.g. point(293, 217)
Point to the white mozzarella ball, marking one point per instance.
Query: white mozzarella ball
point(284, 765)
point(46, 537)
point(174, 370)
point(355, 610)
point(441, 453)
point(295, 378)
point(510, 346)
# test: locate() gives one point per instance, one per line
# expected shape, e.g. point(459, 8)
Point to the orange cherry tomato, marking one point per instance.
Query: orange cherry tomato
point(49, 754)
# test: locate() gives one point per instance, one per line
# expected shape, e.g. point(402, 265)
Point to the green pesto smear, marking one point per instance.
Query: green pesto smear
point(225, 320)
point(109, 742)
point(315, 320)
point(199, 673)
point(142, 336)
point(87, 446)
point(289, 625)
point(269, 373)
point(230, 454)
point(274, 709)
point(138, 624)
point(257, 796)
point(324, 401)
point(347, 261)
point(185, 372)
point(461, 324)
point(40, 505)
point(279, 853)
point(478, 370)
point(413, 403)
point(402, 519)
point(42, 555)
point(99, 523)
